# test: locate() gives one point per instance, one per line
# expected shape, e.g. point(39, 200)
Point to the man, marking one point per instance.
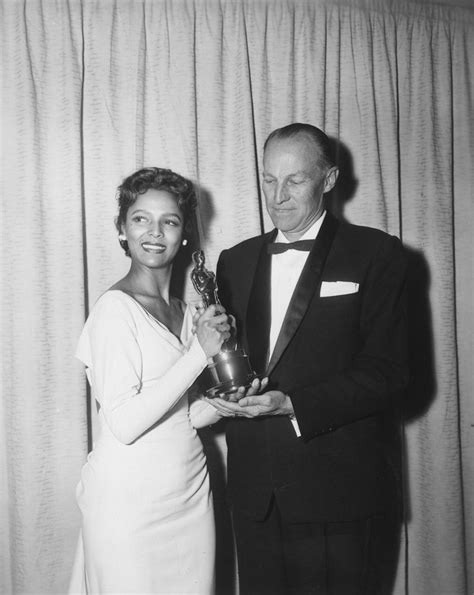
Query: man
point(310, 474)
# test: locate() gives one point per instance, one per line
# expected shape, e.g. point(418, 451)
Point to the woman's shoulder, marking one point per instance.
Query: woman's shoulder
point(111, 321)
point(111, 306)
point(112, 296)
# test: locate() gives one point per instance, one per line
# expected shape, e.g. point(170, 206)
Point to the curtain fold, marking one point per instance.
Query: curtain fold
point(94, 89)
point(44, 426)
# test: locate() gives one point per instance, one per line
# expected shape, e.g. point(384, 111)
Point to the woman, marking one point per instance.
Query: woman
point(144, 494)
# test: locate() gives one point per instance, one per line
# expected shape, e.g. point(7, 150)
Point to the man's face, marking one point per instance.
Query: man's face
point(294, 183)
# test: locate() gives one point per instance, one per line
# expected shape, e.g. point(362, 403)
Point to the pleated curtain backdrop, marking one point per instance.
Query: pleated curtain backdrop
point(94, 89)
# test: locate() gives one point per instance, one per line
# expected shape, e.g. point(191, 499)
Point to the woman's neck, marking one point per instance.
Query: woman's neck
point(147, 282)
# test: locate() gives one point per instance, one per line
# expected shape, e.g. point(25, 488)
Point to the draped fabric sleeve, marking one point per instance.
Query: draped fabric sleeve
point(202, 413)
point(109, 347)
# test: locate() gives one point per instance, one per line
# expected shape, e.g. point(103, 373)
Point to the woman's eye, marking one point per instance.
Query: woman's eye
point(139, 218)
point(268, 181)
point(171, 222)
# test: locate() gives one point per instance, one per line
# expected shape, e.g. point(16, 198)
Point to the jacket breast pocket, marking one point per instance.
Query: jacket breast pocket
point(338, 311)
point(345, 301)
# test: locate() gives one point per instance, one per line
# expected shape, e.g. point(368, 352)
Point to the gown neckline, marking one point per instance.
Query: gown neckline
point(155, 319)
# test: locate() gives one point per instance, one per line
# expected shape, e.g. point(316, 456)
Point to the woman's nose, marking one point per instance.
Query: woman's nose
point(156, 230)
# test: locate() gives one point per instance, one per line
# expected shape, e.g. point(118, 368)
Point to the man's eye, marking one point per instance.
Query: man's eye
point(171, 222)
point(139, 219)
point(268, 181)
point(295, 182)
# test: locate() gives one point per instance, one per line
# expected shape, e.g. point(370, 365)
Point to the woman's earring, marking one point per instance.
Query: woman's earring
point(122, 238)
point(184, 242)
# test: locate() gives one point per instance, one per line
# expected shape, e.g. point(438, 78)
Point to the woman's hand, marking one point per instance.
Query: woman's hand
point(273, 402)
point(212, 328)
point(257, 386)
point(254, 402)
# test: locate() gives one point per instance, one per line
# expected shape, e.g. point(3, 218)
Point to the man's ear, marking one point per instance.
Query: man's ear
point(331, 178)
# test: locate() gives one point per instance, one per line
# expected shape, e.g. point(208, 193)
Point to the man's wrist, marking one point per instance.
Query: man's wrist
point(292, 416)
point(289, 406)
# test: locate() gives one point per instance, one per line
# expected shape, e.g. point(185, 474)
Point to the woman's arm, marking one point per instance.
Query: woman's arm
point(131, 405)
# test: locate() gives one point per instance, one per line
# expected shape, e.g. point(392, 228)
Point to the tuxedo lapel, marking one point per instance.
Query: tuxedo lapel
point(305, 288)
point(259, 310)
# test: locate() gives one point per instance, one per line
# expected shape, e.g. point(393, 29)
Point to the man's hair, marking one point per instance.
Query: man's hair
point(317, 136)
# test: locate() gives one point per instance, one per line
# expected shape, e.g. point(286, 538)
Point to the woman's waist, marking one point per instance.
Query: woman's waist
point(151, 469)
point(173, 427)
point(154, 439)
point(168, 451)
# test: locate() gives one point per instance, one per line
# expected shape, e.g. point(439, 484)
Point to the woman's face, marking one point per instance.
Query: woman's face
point(154, 229)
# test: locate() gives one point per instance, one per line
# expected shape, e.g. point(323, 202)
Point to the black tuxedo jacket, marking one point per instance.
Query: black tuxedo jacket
point(342, 360)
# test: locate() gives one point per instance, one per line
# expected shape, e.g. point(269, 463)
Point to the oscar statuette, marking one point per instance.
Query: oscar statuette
point(230, 368)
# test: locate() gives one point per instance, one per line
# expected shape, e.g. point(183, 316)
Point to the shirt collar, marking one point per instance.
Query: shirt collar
point(310, 234)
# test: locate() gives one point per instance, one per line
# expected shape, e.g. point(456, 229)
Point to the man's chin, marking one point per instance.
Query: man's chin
point(282, 223)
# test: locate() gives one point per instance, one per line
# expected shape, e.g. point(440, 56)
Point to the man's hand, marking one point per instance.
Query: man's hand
point(229, 407)
point(250, 405)
point(273, 402)
point(256, 387)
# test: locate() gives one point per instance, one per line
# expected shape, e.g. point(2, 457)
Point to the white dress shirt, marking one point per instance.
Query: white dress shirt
point(286, 270)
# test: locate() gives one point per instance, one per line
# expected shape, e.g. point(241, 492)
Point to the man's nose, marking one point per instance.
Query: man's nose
point(281, 194)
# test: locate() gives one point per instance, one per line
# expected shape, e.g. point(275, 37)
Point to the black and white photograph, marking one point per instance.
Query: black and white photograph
point(237, 297)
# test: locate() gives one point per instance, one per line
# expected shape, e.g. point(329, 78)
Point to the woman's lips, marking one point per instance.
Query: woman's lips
point(155, 248)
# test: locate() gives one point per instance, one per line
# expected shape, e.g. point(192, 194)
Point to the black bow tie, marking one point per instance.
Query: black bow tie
point(280, 247)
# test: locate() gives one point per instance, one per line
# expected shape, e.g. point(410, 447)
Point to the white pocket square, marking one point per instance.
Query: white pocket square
point(331, 288)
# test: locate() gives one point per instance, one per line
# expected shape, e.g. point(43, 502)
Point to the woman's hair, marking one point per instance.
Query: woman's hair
point(155, 178)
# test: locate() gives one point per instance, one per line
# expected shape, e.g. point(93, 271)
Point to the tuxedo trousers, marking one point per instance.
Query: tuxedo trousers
point(344, 558)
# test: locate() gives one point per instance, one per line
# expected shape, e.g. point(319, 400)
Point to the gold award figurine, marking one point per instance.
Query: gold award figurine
point(230, 368)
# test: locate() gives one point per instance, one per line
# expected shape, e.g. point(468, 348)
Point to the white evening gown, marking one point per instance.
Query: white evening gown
point(147, 517)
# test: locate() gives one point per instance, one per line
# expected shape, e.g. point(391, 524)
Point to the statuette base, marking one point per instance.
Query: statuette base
point(228, 371)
